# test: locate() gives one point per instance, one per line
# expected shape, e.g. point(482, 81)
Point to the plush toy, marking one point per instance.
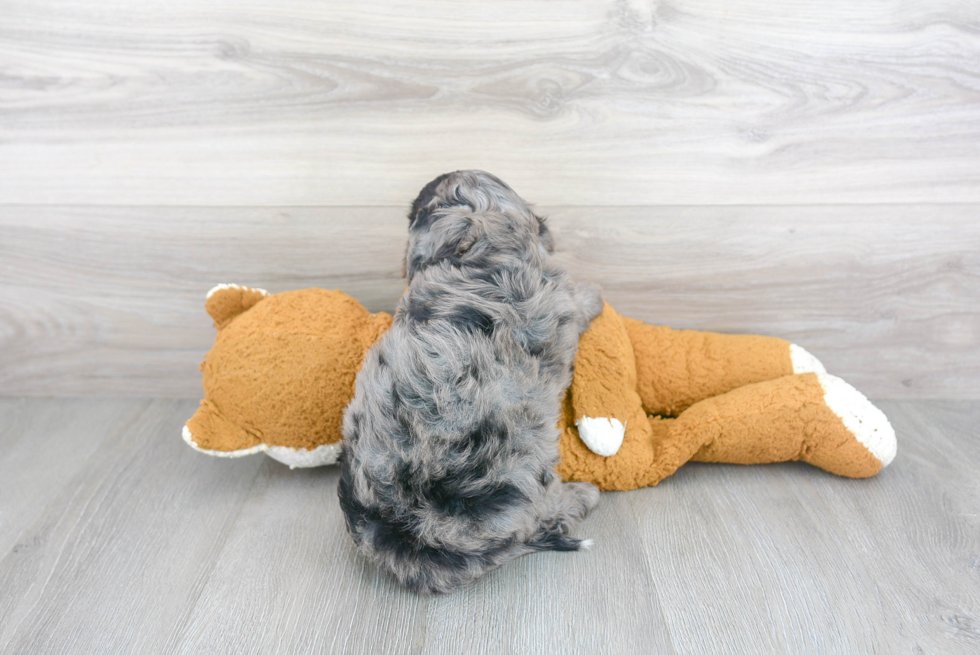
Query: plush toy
point(644, 399)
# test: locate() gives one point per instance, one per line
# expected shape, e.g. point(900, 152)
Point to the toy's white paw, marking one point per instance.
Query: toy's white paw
point(602, 435)
point(867, 423)
point(291, 457)
point(302, 458)
point(189, 438)
point(804, 362)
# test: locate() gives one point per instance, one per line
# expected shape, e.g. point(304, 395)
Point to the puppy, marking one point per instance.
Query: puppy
point(451, 439)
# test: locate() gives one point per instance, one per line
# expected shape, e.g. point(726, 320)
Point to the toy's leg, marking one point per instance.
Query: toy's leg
point(210, 432)
point(677, 368)
point(630, 468)
point(603, 390)
point(816, 418)
point(613, 444)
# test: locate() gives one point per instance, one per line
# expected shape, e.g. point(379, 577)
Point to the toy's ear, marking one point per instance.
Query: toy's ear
point(226, 301)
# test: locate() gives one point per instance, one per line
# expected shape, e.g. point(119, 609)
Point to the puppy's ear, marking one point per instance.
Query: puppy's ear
point(544, 234)
point(457, 246)
point(419, 214)
point(447, 239)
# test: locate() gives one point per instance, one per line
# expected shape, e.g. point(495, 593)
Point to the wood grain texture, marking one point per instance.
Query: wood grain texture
point(44, 451)
point(616, 102)
point(118, 557)
point(888, 297)
point(293, 524)
point(144, 545)
point(108, 300)
point(797, 561)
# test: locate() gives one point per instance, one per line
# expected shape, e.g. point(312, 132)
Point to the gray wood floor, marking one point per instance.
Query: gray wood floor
point(116, 537)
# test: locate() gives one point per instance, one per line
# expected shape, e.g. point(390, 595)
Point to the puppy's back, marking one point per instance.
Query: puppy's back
point(451, 438)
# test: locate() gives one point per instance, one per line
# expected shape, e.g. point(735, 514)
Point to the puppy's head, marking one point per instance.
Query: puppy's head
point(467, 216)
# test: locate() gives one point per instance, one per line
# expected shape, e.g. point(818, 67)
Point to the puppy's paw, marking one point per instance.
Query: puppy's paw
point(585, 496)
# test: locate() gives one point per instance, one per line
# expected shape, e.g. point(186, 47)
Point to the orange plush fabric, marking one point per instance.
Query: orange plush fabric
point(775, 421)
point(677, 368)
point(282, 371)
point(697, 396)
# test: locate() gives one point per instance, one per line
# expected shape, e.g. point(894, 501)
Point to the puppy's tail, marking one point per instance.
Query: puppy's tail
point(555, 540)
point(438, 571)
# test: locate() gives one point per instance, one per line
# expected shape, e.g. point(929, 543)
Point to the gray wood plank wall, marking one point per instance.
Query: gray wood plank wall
point(808, 171)
point(615, 102)
point(109, 300)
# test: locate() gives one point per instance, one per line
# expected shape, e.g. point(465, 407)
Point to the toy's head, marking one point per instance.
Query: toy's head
point(281, 372)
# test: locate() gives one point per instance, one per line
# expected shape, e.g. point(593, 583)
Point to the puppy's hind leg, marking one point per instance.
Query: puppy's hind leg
point(575, 500)
point(572, 501)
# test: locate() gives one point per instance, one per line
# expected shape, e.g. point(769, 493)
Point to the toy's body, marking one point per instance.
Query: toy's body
point(644, 400)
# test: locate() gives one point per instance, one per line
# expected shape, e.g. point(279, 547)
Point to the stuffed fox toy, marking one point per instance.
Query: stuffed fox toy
point(644, 399)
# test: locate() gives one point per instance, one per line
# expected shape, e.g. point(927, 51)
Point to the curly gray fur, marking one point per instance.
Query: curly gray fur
point(451, 439)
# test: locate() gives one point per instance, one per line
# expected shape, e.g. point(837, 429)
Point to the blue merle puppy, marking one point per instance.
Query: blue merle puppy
point(448, 469)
